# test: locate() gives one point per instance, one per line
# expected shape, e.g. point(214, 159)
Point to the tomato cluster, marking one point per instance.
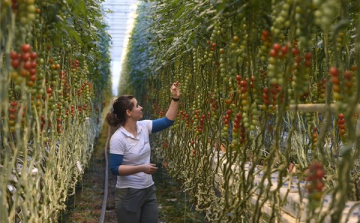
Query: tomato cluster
point(199, 119)
point(320, 91)
point(334, 72)
point(24, 65)
point(239, 130)
point(341, 124)
point(349, 84)
point(12, 115)
point(266, 44)
point(59, 126)
point(314, 178)
point(43, 122)
point(193, 151)
point(227, 122)
point(185, 116)
point(314, 137)
point(14, 5)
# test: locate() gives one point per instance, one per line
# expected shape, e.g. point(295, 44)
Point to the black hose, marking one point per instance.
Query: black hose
point(103, 207)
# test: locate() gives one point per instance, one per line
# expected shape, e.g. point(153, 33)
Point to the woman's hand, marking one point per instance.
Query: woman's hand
point(174, 105)
point(175, 90)
point(150, 168)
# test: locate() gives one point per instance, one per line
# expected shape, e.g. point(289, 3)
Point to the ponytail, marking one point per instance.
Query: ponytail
point(111, 119)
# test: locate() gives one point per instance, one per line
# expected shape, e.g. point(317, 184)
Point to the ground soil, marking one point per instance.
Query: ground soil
point(85, 205)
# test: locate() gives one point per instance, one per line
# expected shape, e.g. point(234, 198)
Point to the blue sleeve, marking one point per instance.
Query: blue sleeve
point(161, 124)
point(115, 160)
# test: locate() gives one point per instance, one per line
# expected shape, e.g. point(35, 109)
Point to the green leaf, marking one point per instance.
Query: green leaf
point(74, 35)
point(179, 12)
point(80, 8)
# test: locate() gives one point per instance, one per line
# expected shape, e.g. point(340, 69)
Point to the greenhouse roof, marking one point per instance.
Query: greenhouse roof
point(120, 23)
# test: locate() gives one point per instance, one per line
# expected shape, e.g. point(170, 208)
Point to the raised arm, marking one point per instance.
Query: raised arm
point(174, 105)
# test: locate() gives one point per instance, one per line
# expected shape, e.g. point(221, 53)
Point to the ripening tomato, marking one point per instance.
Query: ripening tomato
point(15, 63)
point(334, 72)
point(32, 71)
point(24, 73)
point(33, 55)
point(319, 173)
point(27, 65)
point(276, 47)
point(347, 74)
point(273, 53)
point(335, 80)
point(30, 83)
point(25, 48)
point(341, 121)
point(236, 39)
point(32, 78)
point(319, 186)
point(25, 56)
point(14, 55)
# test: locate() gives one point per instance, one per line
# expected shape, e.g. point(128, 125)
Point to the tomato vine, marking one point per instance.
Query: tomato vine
point(54, 73)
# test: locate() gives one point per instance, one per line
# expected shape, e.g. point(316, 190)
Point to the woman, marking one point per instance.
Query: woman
point(135, 199)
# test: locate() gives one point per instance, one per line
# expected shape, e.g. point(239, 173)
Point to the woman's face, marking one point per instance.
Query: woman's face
point(136, 111)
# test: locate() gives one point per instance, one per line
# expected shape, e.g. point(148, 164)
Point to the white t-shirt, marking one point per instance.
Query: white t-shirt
point(136, 151)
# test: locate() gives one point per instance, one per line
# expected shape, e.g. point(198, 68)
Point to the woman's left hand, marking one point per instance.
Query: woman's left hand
point(175, 90)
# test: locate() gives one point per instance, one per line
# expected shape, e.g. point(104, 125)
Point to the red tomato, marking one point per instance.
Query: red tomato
point(319, 173)
point(319, 186)
point(25, 48)
point(334, 72)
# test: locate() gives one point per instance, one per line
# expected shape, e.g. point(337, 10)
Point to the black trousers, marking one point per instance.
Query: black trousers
point(136, 205)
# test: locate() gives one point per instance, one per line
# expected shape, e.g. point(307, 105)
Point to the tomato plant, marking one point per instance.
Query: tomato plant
point(274, 77)
point(47, 104)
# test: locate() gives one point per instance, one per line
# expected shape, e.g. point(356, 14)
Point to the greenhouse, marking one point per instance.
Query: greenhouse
point(179, 111)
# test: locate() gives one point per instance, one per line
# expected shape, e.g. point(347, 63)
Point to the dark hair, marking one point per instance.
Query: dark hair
point(118, 114)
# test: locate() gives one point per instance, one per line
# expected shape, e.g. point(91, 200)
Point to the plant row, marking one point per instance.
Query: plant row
point(274, 83)
point(54, 76)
